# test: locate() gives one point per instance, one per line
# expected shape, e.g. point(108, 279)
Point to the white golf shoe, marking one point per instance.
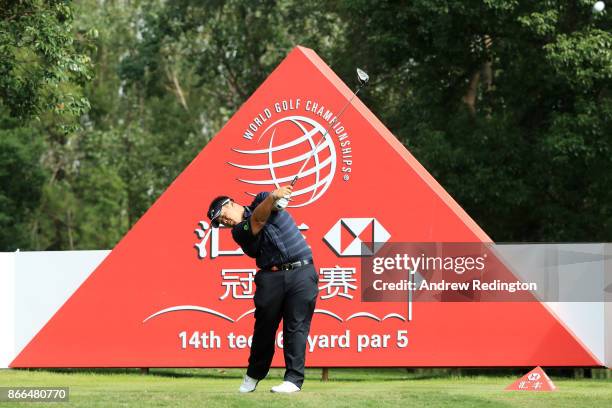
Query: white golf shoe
point(285, 387)
point(248, 384)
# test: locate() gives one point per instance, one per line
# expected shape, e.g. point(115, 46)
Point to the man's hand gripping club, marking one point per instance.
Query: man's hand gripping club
point(264, 209)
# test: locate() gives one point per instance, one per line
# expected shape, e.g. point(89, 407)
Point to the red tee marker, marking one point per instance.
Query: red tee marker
point(535, 380)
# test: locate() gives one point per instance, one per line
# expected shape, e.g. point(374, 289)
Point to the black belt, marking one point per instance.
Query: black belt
point(291, 265)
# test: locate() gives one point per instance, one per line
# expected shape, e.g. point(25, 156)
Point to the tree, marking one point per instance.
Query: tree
point(190, 68)
point(506, 103)
point(21, 181)
point(41, 73)
point(38, 59)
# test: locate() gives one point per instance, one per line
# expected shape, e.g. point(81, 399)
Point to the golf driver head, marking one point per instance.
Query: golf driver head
point(362, 76)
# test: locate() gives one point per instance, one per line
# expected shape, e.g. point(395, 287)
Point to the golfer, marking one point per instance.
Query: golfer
point(286, 283)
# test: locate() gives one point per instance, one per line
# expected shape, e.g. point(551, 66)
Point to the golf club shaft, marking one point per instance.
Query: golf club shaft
point(312, 153)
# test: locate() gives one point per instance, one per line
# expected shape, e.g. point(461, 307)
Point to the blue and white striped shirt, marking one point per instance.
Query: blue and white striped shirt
point(279, 241)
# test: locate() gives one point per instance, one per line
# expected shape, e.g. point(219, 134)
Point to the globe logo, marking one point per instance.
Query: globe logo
point(286, 145)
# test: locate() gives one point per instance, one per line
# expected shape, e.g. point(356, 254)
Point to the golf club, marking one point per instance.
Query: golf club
point(363, 78)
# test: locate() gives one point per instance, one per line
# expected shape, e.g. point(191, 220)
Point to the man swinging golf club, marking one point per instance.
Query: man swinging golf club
point(286, 283)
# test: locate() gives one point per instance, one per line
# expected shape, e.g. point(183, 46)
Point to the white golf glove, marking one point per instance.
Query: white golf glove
point(281, 203)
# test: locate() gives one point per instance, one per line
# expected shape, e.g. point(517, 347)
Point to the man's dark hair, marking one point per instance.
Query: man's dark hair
point(214, 210)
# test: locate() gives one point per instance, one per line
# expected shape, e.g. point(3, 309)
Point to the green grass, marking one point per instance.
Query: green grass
point(346, 388)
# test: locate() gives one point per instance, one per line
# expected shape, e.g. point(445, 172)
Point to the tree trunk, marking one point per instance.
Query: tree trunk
point(470, 95)
point(178, 91)
point(484, 74)
point(69, 225)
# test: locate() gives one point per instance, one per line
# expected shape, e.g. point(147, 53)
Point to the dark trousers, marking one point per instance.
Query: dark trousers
point(290, 295)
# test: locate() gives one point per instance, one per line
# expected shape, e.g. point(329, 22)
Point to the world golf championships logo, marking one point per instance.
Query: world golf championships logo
point(290, 146)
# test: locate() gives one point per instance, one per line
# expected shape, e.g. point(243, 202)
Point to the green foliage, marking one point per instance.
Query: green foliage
point(582, 59)
point(102, 220)
point(506, 103)
point(39, 60)
point(85, 207)
point(21, 180)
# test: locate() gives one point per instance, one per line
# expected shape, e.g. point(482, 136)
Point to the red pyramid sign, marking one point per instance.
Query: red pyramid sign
point(535, 380)
point(175, 293)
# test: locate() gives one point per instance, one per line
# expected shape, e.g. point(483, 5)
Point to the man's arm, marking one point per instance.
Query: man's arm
point(264, 209)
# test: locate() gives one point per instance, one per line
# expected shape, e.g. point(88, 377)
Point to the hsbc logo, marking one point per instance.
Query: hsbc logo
point(356, 236)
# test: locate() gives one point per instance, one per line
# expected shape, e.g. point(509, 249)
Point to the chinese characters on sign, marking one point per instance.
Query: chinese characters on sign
point(238, 283)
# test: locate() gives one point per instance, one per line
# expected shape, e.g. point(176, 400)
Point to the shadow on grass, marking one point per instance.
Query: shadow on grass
point(335, 374)
point(154, 372)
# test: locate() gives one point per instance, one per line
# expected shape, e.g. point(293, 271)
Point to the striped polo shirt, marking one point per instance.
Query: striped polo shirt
point(279, 241)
